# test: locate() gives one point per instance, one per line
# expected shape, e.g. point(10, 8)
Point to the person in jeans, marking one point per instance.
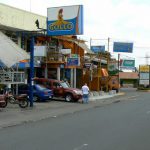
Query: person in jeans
point(85, 93)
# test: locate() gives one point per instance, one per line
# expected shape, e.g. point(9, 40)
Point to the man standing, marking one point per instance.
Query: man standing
point(85, 93)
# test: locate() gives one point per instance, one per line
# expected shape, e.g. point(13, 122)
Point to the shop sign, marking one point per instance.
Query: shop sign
point(144, 82)
point(73, 61)
point(65, 20)
point(65, 51)
point(87, 65)
point(74, 55)
point(144, 68)
point(128, 63)
point(144, 75)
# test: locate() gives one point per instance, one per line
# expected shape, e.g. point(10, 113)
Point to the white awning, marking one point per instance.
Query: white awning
point(10, 53)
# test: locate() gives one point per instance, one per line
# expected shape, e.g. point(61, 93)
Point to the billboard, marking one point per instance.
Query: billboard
point(123, 47)
point(65, 20)
point(97, 49)
point(128, 63)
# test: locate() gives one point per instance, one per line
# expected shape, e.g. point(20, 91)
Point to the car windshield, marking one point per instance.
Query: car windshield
point(64, 85)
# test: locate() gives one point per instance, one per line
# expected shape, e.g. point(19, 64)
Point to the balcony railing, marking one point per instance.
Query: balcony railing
point(11, 77)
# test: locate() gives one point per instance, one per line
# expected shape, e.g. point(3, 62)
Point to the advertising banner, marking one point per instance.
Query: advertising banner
point(65, 20)
point(123, 47)
point(97, 49)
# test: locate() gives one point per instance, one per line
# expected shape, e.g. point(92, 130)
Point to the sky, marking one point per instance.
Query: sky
point(119, 20)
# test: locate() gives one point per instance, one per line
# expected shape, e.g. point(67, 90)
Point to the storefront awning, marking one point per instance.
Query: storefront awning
point(10, 53)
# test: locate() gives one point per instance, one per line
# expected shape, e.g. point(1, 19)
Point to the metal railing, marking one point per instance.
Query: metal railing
point(11, 77)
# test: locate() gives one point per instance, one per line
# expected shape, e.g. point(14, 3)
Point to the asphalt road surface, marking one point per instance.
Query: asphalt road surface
point(124, 125)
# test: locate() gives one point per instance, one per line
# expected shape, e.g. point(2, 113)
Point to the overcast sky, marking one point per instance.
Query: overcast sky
point(120, 20)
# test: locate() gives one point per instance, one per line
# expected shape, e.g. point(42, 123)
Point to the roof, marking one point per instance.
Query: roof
point(128, 75)
point(10, 53)
point(80, 43)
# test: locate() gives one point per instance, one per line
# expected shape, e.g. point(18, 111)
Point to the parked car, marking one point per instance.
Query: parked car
point(60, 89)
point(40, 93)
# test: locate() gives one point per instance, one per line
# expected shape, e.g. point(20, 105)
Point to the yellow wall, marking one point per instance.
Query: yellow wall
point(20, 19)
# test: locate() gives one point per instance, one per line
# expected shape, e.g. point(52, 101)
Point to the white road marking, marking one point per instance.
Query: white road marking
point(80, 147)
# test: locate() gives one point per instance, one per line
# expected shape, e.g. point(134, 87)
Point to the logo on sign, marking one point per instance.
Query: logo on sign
point(60, 24)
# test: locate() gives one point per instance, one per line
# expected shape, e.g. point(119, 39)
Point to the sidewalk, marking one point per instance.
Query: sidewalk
point(13, 115)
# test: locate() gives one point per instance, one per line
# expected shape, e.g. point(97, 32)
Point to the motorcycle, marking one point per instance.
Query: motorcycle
point(3, 101)
point(21, 100)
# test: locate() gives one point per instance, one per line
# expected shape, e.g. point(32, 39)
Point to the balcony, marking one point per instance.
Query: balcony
point(11, 77)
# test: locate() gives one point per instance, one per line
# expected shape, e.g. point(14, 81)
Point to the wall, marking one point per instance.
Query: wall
point(20, 19)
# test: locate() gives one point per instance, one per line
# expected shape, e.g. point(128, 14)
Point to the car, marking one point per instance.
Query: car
point(61, 89)
point(40, 93)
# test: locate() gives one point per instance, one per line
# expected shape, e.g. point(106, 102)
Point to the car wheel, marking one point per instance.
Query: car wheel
point(36, 99)
point(69, 98)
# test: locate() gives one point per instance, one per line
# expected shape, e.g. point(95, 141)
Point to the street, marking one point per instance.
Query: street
point(123, 125)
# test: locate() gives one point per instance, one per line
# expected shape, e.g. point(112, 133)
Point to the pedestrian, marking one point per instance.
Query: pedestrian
point(85, 93)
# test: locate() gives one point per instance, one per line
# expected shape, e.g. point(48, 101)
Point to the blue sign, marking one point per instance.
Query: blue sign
point(123, 47)
point(97, 49)
point(73, 61)
point(65, 20)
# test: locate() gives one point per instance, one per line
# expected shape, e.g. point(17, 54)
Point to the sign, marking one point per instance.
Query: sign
point(97, 49)
point(122, 47)
point(65, 20)
point(144, 76)
point(65, 51)
point(144, 68)
point(74, 55)
point(40, 51)
point(87, 65)
point(73, 61)
point(128, 63)
point(144, 82)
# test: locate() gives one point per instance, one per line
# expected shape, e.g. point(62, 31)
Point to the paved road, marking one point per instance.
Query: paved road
point(119, 126)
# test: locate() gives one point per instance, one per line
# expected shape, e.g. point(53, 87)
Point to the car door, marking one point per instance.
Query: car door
point(57, 89)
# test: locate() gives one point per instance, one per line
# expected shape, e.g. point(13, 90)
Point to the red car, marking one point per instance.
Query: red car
point(60, 89)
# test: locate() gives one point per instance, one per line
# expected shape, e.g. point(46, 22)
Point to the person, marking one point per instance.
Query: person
point(85, 93)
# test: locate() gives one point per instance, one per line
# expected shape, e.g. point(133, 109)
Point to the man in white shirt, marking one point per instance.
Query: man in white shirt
point(85, 93)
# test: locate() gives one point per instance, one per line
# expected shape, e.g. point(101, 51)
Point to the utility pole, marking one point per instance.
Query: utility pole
point(108, 43)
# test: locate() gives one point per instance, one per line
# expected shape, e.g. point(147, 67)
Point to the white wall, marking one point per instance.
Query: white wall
point(20, 19)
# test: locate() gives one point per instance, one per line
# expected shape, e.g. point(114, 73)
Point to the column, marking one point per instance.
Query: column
point(58, 73)
point(75, 72)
